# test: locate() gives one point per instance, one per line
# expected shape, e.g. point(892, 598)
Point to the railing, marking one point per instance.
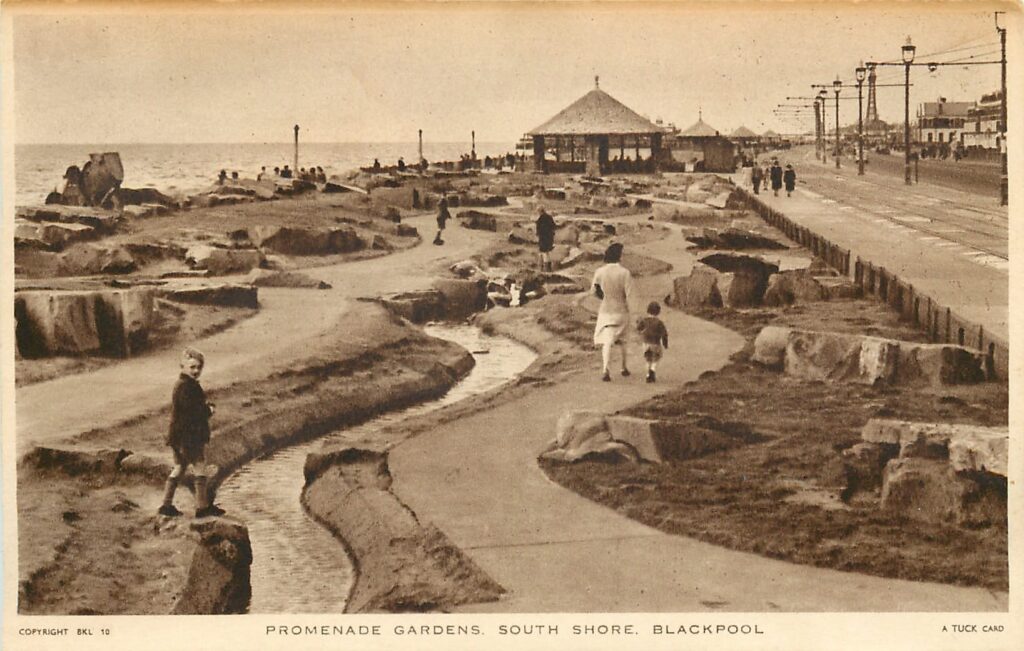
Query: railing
point(942, 324)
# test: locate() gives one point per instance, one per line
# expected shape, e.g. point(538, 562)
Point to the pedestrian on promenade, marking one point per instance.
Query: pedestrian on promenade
point(286, 173)
point(442, 216)
point(776, 176)
point(789, 178)
point(401, 164)
point(545, 238)
point(613, 284)
point(222, 177)
point(756, 177)
point(655, 337)
point(188, 434)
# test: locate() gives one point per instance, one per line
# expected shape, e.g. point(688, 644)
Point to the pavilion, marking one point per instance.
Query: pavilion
point(717, 151)
point(599, 122)
point(743, 136)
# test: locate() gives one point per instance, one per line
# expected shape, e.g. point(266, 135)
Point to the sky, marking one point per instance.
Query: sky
point(352, 74)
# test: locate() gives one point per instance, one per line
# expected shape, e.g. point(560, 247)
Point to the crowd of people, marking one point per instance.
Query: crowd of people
point(772, 175)
point(311, 174)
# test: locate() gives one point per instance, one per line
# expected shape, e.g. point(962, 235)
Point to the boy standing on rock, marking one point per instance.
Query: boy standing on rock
point(188, 435)
point(655, 337)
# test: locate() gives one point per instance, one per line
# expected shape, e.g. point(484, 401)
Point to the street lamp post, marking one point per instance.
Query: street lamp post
point(817, 129)
point(822, 96)
point(837, 85)
point(908, 58)
point(861, 73)
point(1004, 180)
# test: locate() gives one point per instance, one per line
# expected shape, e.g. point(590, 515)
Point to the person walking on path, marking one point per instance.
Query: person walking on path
point(655, 337)
point(789, 178)
point(756, 177)
point(613, 284)
point(776, 176)
point(442, 217)
point(188, 435)
point(545, 238)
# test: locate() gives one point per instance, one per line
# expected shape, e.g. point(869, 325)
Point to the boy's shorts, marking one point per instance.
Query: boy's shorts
point(193, 463)
point(652, 352)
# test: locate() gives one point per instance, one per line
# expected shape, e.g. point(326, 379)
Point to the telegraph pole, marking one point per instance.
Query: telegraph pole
point(1004, 180)
point(296, 149)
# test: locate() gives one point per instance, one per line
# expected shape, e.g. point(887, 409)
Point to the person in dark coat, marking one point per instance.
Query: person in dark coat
point(545, 238)
point(187, 436)
point(756, 177)
point(776, 177)
point(789, 178)
point(442, 217)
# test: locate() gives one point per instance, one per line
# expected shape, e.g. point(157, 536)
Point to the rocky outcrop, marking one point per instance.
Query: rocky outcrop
point(227, 294)
point(588, 434)
point(969, 448)
point(931, 489)
point(145, 197)
point(733, 239)
point(221, 261)
point(102, 220)
point(416, 306)
point(461, 298)
point(306, 241)
point(112, 322)
point(405, 230)
point(403, 565)
point(477, 220)
point(791, 287)
point(294, 279)
point(218, 579)
point(92, 258)
point(866, 360)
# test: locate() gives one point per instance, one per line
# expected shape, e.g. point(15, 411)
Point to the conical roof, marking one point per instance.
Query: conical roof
point(699, 129)
point(743, 132)
point(770, 134)
point(597, 112)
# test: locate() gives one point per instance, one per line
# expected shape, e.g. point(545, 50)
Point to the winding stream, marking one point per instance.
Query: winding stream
point(298, 566)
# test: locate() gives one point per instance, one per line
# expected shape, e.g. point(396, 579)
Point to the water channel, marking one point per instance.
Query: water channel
point(298, 566)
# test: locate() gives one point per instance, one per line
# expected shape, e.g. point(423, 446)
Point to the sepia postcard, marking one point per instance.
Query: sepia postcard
point(526, 325)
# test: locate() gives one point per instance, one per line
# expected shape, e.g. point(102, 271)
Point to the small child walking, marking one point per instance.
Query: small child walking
point(655, 337)
point(188, 435)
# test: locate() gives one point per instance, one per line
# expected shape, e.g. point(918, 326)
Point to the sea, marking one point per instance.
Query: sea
point(188, 168)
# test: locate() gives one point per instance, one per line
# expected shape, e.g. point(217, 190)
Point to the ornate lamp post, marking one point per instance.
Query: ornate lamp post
point(908, 59)
point(861, 74)
point(837, 85)
point(818, 145)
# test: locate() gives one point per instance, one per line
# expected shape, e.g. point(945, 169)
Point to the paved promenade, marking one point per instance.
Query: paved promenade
point(478, 480)
point(939, 261)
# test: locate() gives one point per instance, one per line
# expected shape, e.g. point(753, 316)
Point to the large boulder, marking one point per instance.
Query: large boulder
point(91, 259)
point(306, 241)
point(969, 448)
point(520, 235)
point(790, 287)
point(219, 261)
point(461, 297)
point(110, 321)
point(581, 434)
point(567, 234)
point(478, 220)
point(836, 356)
point(57, 235)
point(699, 289)
point(102, 220)
point(405, 230)
point(219, 577)
point(770, 346)
point(141, 196)
point(930, 489)
point(416, 306)
point(935, 364)
point(226, 294)
point(292, 279)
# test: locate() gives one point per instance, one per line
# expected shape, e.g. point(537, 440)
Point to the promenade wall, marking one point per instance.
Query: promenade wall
point(942, 324)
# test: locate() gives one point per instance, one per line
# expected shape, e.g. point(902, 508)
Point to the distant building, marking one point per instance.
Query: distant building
point(983, 126)
point(703, 147)
point(941, 122)
point(586, 131)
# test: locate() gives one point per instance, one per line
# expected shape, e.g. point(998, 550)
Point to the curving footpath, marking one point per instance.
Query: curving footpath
point(478, 480)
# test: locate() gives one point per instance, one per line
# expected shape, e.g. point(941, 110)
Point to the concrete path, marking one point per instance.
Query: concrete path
point(554, 551)
point(972, 283)
point(280, 332)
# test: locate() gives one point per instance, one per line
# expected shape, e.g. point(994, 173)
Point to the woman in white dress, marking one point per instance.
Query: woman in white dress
point(613, 284)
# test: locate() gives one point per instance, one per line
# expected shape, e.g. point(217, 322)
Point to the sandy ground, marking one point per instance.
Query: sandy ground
point(59, 514)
